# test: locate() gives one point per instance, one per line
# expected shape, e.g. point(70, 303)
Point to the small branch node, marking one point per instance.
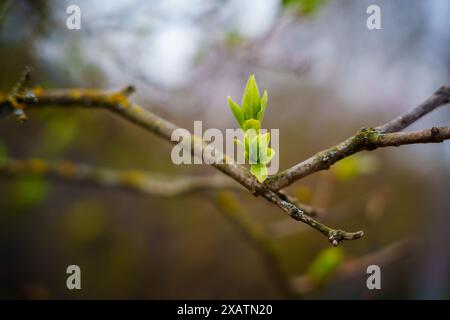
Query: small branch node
point(336, 236)
point(128, 90)
point(434, 131)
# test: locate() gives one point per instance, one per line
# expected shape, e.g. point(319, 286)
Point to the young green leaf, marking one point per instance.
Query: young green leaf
point(260, 115)
point(246, 145)
point(237, 112)
point(263, 149)
point(249, 116)
point(264, 139)
point(253, 150)
point(251, 101)
point(259, 171)
point(252, 124)
point(269, 155)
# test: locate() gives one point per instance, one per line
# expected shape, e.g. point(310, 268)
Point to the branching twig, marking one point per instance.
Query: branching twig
point(118, 103)
point(370, 139)
point(439, 98)
point(365, 139)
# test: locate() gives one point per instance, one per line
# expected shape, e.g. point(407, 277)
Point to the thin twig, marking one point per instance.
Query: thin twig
point(439, 98)
point(365, 139)
point(370, 139)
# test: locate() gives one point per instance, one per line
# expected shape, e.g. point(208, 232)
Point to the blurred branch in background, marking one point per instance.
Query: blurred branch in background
point(152, 185)
point(371, 139)
point(330, 265)
point(243, 51)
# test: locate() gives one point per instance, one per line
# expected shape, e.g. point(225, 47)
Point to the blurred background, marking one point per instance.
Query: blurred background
point(327, 75)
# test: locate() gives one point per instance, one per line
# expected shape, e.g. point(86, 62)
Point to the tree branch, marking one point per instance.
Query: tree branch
point(433, 135)
point(370, 139)
point(19, 97)
point(118, 103)
point(439, 98)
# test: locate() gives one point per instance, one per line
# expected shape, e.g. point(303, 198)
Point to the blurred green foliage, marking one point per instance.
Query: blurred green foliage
point(353, 166)
point(29, 192)
point(325, 263)
point(249, 116)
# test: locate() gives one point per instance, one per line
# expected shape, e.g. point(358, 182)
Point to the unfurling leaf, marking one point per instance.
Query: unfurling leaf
point(242, 145)
point(264, 140)
point(269, 154)
point(252, 124)
point(259, 171)
point(237, 112)
point(260, 114)
point(252, 106)
point(253, 150)
point(249, 116)
point(251, 101)
point(263, 143)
